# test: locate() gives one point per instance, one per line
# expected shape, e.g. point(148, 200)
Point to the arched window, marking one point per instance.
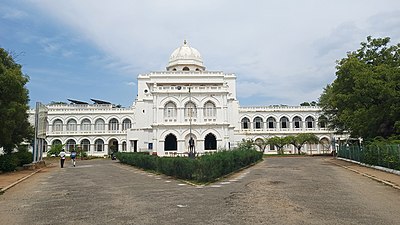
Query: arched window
point(126, 124)
point(245, 123)
point(170, 143)
point(322, 121)
point(174, 69)
point(71, 125)
point(99, 145)
point(56, 142)
point(85, 125)
point(309, 122)
point(190, 110)
point(99, 124)
point(185, 68)
point(209, 109)
point(70, 145)
point(284, 122)
point(170, 110)
point(57, 125)
point(258, 123)
point(271, 123)
point(124, 146)
point(85, 145)
point(210, 142)
point(296, 122)
point(113, 124)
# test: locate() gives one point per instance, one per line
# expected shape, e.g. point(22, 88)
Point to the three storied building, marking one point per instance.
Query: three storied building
point(184, 102)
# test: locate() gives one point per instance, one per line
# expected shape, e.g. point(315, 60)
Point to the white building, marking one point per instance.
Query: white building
point(174, 105)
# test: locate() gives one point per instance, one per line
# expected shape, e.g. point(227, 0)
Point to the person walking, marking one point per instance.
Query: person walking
point(73, 157)
point(62, 158)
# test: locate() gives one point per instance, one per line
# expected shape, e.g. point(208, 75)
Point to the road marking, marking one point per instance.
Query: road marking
point(216, 186)
point(227, 182)
point(182, 184)
point(182, 206)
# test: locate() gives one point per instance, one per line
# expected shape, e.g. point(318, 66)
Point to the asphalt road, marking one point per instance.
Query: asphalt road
point(300, 190)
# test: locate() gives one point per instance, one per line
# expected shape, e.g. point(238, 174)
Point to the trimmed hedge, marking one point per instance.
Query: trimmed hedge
point(206, 168)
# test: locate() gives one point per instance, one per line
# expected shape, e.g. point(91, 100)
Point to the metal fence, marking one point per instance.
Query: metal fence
point(383, 155)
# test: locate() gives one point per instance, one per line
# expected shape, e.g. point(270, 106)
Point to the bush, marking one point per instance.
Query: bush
point(206, 168)
point(8, 162)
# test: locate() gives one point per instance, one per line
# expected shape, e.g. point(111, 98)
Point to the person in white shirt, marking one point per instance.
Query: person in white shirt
point(62, 158)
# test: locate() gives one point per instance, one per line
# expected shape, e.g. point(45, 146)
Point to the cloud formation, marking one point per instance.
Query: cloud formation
point(280, 50)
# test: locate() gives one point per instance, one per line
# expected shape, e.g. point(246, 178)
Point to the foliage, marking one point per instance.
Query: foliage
point(377, 154)
point(55, 150)
point(14, 124)
point(313, 103)
point(58, 103)
point(246, 144)
point(299, 140)
point(364, 99)
point(206, 168)
point(9, 162)
point(279, 143)
point(261, 143)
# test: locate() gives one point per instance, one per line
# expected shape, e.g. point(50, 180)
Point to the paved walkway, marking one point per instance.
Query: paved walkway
point(8, 180)
point(375, 174)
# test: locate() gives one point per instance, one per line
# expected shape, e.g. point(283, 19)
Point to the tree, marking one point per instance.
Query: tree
point(14, 124)
point(279, 143)
point(246, 144)
point(299, 140)
point(261, 143)
point(313, 103)
point(364, 99)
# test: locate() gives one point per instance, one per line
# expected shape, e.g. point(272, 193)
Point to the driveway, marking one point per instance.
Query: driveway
point(303, 190)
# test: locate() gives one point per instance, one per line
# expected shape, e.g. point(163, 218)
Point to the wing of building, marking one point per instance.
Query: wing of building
point(184, 102)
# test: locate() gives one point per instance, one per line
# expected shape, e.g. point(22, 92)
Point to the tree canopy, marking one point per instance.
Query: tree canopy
point(14, 124)
point(364, 99)
point(299, 140)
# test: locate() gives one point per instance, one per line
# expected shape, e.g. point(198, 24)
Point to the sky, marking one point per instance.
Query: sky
point(282, 52)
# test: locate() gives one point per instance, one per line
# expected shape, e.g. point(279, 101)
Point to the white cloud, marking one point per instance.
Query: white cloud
point(282, 50)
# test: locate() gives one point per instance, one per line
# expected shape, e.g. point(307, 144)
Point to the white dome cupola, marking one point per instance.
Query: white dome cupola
point(185, 58)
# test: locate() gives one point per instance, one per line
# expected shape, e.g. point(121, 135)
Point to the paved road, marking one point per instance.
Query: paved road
point(276, 191)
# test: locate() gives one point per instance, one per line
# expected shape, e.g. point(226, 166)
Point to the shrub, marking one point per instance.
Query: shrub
point(8, 162)
point(23, 157)
point(206, 168)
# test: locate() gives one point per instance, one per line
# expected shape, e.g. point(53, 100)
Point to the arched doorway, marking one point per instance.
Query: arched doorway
point(325, 145)
point(112, 146)
point(170, 143)
point(210, 142)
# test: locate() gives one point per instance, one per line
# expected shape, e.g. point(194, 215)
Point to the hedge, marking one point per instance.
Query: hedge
point(206, 168)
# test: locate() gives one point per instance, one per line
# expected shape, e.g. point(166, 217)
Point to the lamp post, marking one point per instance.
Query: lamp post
point(192, 151)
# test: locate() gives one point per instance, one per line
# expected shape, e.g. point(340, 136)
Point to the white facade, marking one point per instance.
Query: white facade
point(184, 101)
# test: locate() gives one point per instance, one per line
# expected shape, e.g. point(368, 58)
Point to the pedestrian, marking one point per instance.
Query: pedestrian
point(62, 158)
point(73, 156)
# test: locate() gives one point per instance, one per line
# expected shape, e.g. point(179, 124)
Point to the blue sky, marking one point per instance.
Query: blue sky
point(282, 52)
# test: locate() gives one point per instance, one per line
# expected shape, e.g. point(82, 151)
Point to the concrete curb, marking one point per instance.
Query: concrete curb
point(369, 176)
point(18, 181)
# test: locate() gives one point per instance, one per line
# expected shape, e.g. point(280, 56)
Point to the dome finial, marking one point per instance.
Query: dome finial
point(184, 42)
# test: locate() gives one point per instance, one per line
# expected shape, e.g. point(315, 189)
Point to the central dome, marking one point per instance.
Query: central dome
point(185, 58)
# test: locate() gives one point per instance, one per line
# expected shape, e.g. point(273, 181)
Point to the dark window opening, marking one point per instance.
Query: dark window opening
point(170, 143)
